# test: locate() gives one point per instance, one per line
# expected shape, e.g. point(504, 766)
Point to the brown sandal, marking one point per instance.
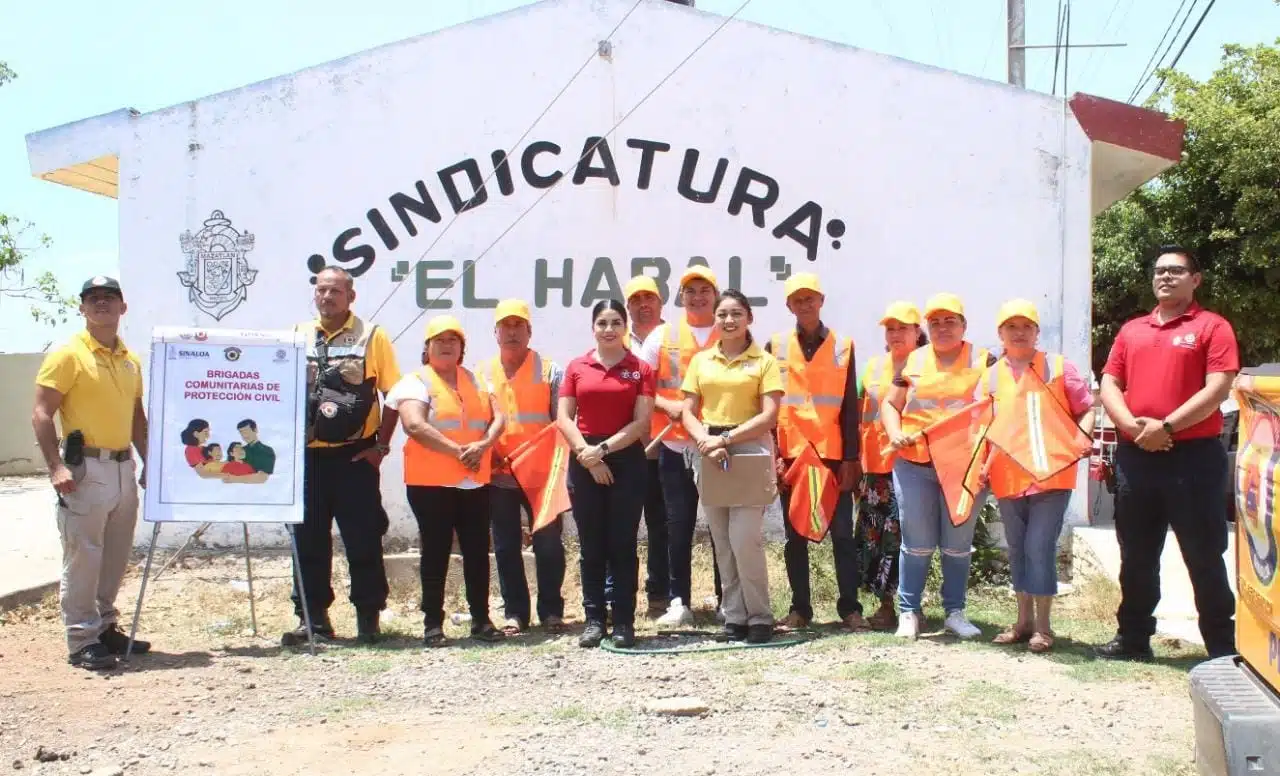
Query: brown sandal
point(1041, 643)
point(1012, 636)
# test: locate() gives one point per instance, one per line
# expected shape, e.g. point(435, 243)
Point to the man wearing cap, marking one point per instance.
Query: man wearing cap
point(819, 408)
point(349, 362)
point(94, 383)
point(525, 387)
point(669, 349)
point(644, 308)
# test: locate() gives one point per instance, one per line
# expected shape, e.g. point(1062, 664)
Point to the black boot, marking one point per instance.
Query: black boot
point(367, 626)
point(117, 642)
point(1119, 649)
point(321, 629)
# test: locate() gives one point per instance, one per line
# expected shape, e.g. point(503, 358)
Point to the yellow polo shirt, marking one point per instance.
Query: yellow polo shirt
point(379, 363)
point(730, 388)
point(100, 388)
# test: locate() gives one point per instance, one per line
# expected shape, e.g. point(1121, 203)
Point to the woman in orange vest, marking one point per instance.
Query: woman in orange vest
point(1032, 509)
point(452, 423)
point(879, 538)
point(605, 402)
point(936, 381)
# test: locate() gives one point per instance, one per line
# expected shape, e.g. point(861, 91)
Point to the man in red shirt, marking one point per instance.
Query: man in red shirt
point(1165, 378)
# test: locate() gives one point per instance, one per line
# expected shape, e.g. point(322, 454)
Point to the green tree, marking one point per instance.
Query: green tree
point(48, 303)
point(1222, 202)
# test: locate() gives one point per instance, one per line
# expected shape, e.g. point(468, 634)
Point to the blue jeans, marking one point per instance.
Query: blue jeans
point(1031, 526)
point(926, 526)
point(505, 523)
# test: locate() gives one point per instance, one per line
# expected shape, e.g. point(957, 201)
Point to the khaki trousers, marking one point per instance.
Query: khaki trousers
point(737, 533)
point(96, 522)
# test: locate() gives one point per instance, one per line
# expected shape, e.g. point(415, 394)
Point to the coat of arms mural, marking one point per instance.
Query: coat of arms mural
point(218, 274)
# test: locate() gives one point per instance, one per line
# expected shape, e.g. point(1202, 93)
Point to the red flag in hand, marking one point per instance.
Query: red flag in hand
point(541, 466)
point(814, 491)
point(954, 444)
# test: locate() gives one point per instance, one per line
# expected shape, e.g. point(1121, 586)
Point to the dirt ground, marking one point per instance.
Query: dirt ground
point(212, 698)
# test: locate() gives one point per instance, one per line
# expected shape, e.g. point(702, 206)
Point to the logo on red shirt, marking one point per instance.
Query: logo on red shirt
point(1187, 340)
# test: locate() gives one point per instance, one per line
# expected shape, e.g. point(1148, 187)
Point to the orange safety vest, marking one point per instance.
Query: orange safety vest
point(935, 393)
point(813, 392)
point(877, 378)
point(1007, 479)
point(463, 416)
point(677, 350)
point(525, 399)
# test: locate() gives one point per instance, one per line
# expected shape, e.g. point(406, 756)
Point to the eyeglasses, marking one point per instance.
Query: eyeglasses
point(1177, 270)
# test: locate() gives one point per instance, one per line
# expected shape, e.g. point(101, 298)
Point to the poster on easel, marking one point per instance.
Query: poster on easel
point(227, 431)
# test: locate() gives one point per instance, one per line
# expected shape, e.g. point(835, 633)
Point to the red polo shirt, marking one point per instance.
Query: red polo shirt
point(606, 397)
point(1161, 365)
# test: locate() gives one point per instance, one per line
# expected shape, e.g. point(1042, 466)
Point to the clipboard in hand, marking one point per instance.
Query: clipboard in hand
point(749, 481)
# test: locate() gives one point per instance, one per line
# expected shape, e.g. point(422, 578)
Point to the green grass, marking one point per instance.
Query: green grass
point(984, 699)
point(370, 666)
point(883, 678)
point(338, 707)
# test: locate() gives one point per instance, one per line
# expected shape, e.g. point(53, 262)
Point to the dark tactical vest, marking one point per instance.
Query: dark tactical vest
point(339, 397)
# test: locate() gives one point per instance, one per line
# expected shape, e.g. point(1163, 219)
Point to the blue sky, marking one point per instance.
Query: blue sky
point(77, 59)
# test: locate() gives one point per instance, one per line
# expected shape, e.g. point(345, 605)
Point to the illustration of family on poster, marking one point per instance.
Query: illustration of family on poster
point(247, 460)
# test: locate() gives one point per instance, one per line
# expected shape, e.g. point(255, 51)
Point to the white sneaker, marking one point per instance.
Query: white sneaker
point(908, 625)
point(678, 615)
point(958, 624)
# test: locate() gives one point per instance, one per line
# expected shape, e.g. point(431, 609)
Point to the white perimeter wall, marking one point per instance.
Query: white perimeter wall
point(942, 182)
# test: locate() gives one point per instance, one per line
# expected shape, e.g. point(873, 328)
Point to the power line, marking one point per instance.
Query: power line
point(591, 150)
point(590, 57)
point(1106, 25)
point(1057, 47)
point(1144, 77)
point(1185, 43)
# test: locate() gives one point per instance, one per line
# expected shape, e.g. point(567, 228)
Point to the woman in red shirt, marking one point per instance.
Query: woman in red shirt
point(606, 398)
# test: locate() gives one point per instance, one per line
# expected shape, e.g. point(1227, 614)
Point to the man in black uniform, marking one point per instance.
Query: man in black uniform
point(348, 434)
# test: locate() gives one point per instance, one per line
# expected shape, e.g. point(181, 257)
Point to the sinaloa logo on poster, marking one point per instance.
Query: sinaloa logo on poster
point(218, 273)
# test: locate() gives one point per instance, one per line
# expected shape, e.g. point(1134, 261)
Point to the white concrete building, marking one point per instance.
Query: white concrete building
point(763, 154)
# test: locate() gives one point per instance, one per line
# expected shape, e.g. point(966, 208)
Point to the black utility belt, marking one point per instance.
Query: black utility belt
point(335, 448)
point(107, 455)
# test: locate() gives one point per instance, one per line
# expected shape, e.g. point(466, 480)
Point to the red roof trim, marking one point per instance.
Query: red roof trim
point(1129, 126)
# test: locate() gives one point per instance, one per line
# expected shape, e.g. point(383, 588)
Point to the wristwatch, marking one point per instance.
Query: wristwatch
point(725, 436)
point(1168, 427)
point(384, 449)
point(604, 448)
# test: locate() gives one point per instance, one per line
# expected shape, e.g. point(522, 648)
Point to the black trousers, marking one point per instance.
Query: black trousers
point(657, 584)
point(608, 517)
point(507, 530)
point(441, 512)
point(1180, 489)
point(844, 548)
point(338, 488)
point(680, 494)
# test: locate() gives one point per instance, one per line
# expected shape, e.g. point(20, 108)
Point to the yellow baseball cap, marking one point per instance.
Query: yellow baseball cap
point(512, 308)
point(699, 272)
point(1017, 308)
point(944, 303)
point(442, 323)
point(904, 312)
point(801, 281)
point(640, 284)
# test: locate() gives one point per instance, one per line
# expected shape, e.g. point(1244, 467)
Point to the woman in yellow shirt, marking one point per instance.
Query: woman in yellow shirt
point(731, 404)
